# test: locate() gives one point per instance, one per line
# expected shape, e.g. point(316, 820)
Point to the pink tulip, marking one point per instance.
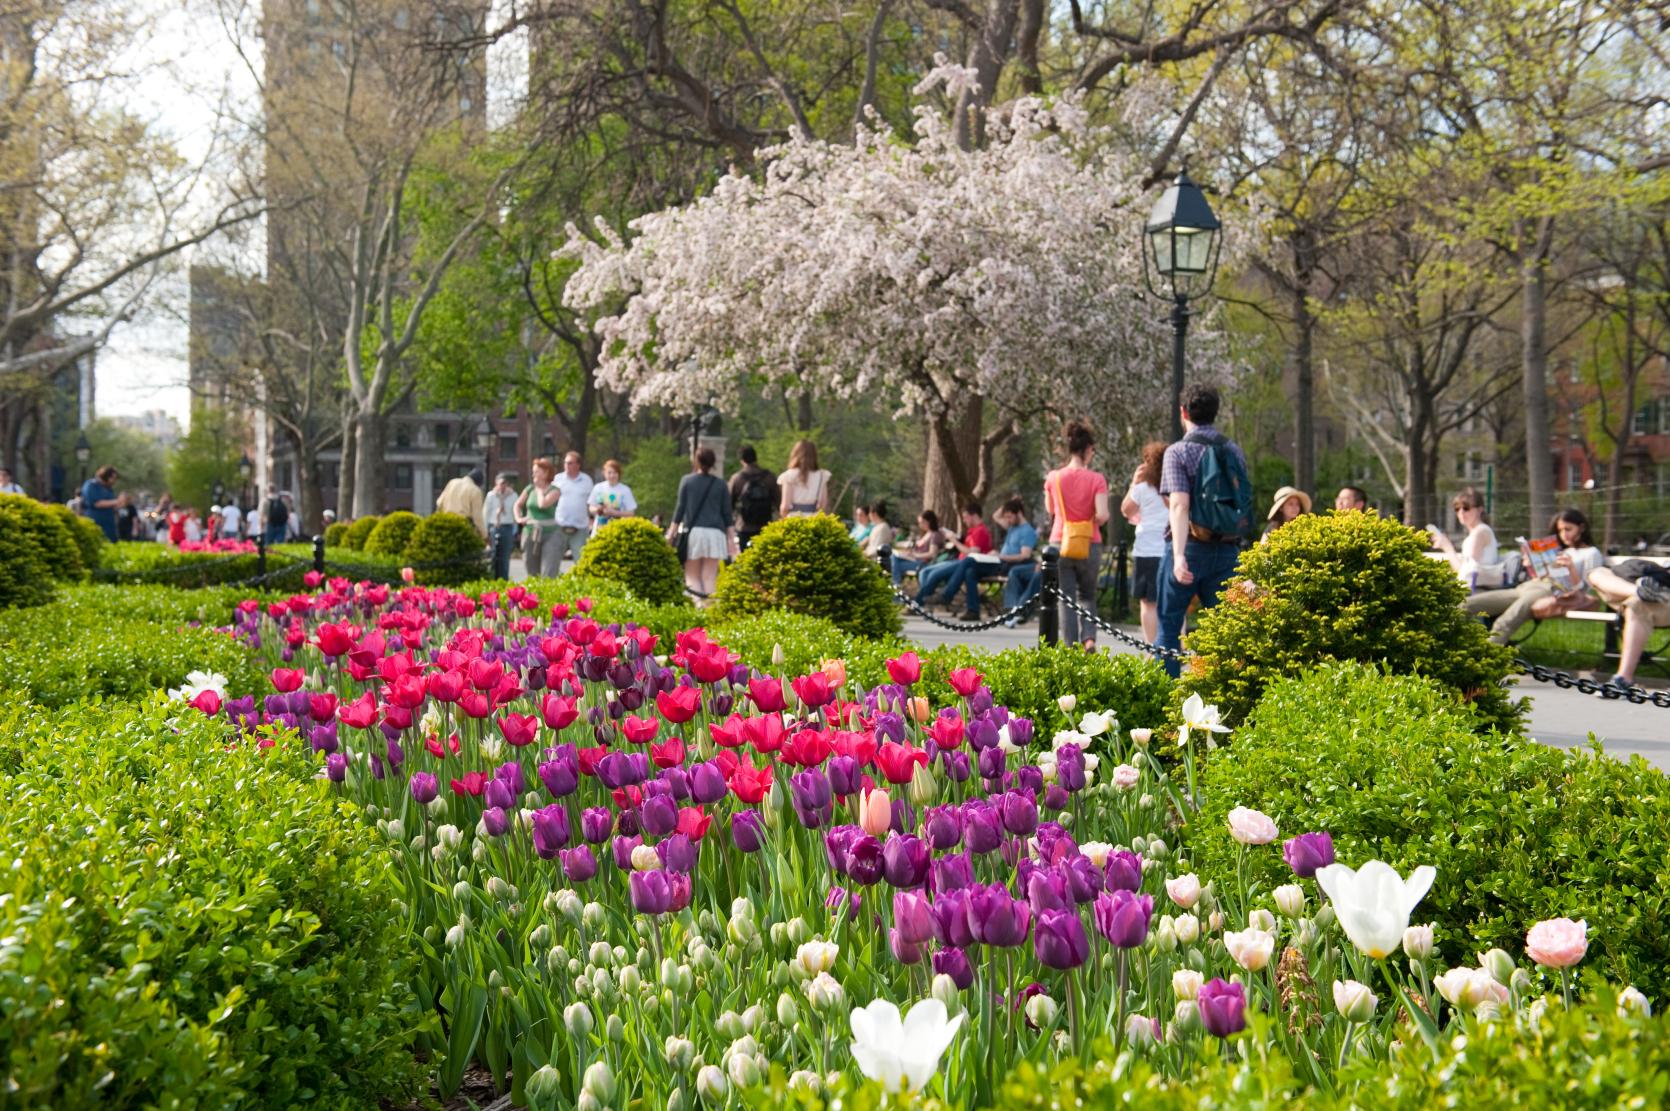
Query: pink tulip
point(1557, 942)
point(875, 813)
point(1250, 827)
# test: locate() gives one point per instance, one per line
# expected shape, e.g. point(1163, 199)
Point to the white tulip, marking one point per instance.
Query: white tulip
point(817, 956)
point(1374, 902)
point(901, 1054)
point(1250, 948)
point(1067, 702)
point(1198, 715)
point(1354, 1001)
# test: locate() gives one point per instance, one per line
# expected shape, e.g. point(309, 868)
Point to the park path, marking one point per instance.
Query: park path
point(1563, 718)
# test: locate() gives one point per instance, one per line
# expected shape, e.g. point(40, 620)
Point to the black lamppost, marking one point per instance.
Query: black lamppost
point(1184, 238)
point(484, 444)
point(246, 467)
point(83, 452)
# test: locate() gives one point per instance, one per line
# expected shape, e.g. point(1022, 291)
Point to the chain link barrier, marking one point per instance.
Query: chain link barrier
point(1120, 634)
point(1565, 680)
point(1016, 613)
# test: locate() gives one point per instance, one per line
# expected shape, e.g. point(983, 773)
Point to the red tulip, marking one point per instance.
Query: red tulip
point(208, 702)
point(605, 644)
point(558, 712)
point(361, 713)
point(947, 732)
point(473, 784)
point(519, 730)
point(679, 705)
point(405, 692)
point(767, 695)
point(906, 669)
point(335, 640)
point(396, 666)
point(965, 681)
point(764, 733)
point(399, 717)
point(581, 630)
point(485, 674)
point(728, 762)
point(813, 690)
point(643, 639)
point(321, 707)
point(689, 642)
point(508, 690)
point(590, 756)
point(475, 704)
point(625, 798)
point(729, 733)
point(711, 664)
point(750, 783)
point(639, 730)
point(559, 611)
point(898, 762)
point(444, 686)
point(807, 748)
point(859, 746)
point(667, 755)
point(693, 823)
point(433, 743)
point(287, 679)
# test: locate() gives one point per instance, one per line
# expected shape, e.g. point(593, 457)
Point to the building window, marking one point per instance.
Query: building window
point(443, 434)
point(402, 476)
point(402, 436)
point(1574, 474)
point(547, 446)
point(1643, 420)
point(1661, 479)
point(508, 448)
point(1664, 416)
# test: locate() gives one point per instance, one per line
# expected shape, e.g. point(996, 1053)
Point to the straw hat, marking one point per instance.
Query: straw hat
point(1282, 495)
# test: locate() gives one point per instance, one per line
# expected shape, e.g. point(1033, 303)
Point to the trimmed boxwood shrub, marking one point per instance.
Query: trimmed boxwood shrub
point(359, 531)
point(1347, 586)
point(809, 565)
point(1398, 768)
point(440, 538)
point(189, 923)
point(25, 572)
point(57, 542)
point(89, 538)
point(632, 552)
point(392, 534)
point(157, 563)
point(336, 534)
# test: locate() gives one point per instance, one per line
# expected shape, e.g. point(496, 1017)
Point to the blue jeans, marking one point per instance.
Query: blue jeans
point(1022, 584)
point(504, 540)
point(274, 534)
point(1212, 565)
point(901, 566)
point(940, 576)
point(969, 574)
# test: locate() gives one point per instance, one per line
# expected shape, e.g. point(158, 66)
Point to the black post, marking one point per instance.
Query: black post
point(1049, 596)
point(319, 554)
point(493, 543)
point(1122, 589)
point(885, 557)
point(1179, 329)
point(261, 553)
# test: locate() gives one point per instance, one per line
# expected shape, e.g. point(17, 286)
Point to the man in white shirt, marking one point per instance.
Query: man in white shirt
point(231, 521)
point(573, 519)
point(7, 484)
point(498, 516)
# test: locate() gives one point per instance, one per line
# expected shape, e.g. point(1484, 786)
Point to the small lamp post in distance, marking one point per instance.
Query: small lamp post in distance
point(1180, 261)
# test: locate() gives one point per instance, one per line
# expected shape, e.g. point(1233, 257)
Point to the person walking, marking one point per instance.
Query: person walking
point(610, 499)
point(1538, 599)
point(1076, 498)
point(231, 521)
point(702, 520)
point(1144, 508)
point(275, 519)
point(573, 520)
point(805, 487)
point(463, 496)
point(1203, 478)
point(536, 512)
point(755, 496)
point(98, 500)
point(8, 485)
point(498, 519)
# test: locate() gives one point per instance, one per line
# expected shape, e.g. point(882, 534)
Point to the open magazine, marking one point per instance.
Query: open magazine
point(1540, 555)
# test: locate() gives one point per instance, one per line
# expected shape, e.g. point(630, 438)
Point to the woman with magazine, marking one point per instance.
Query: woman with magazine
point(1558, 583)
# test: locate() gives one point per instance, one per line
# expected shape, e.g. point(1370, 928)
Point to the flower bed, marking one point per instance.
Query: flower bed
point(640, 870)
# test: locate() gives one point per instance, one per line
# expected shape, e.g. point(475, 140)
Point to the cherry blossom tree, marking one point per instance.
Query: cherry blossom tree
point(994, 286)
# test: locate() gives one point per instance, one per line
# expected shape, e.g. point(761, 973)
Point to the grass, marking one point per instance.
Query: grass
point(1581, 646)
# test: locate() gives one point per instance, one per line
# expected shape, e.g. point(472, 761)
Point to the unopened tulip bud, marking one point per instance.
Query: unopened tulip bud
point(711, 1085)
point(743, 1072)
point(601, 985)
point(577, 1019)
point(1041, 1011)
point(944, 989)
point(1304, 933)
point(802, 1080)
point(615, 1029)
point(495, 980)
point(462, 892)
point(729, 1025)
point(799, 931)
point(594, 917)
point(1354, 1001)
point(600, 1081)
point(1186, 1015)
point(777, 656)
point(752, 1017)
point(449, 836)
point(676, 1100)
point(1632, 1002)
point(500, 889)
point(779, 934)
point(743, 931)
point(1165, 938)
point(825, 993)
point(630, 980)
point(588, 1102)
point(1067, 702)
point(1187, 927)
point(680, 1052)
point(600, 955)
point(544, 1089)
point(1215, 921)
point(540, 938)
point(396, 830)
point(788, 1011)
point(1290, 900)
point(1140, 1032)
point(1185, 983)
point(1498, 964)
point(1260, 919)
point(1324, 916)
point(1520, 981)
point(1142, 737)
point(1417, 942)
point(455, 936)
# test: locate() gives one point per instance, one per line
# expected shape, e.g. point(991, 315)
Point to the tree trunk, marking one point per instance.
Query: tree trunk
point(803, 413)
point(1418, 490)
point(311, 505)
point(953, 460)
point(1304, 366)
point(1539, 457)
point(368, 461)
point(1614, 492)
point(345, 473)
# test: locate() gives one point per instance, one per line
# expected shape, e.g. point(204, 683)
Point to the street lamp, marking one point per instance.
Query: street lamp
point(1184, 238)
point(484, 444)
point(83, 452)
point(246, 467)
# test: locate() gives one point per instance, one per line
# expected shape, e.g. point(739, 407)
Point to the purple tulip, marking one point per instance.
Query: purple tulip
point(629, 701)
point(1069, 767)
point(1223, 1007)
point(1028, 778)
point(323, 737)
point(658, 815)
point(950, 911)
point(982, 831)
point(578, 863)
point(550, 830)
point(1123, 871)
point(889, 726)
point(626, 822)
point(425, 787)
point(499, 794)
point(995, 918)
point(678, 783)
point(1046, 889)
point(336, 767)
point(905, 860)
point(396, 754)
point(1059, 940)
point(980, 701)
point(678, 853)
point(495, 821)
point(510, 774)
point(813, 800)
point(1020, 732)
point(596, 823)
point(902, 816)
point(651, 891)
point(953, 872)
point(1308, 852)
point(722, 703)
point(837, 846)
point(954, 963)
point(845, 776)
point(913, 917)
point(943, 826)
point(958, 767)
point(707, 783)
point(377, 771)
point(905, 952)
point(865, 862)
point(1084, 879)
point(1020, 813)
point(992, 762)
point(747, 831)
point(1123, 917)
point(1056, 797)
point(982, 735)
point(621, 847)
point(560, 777)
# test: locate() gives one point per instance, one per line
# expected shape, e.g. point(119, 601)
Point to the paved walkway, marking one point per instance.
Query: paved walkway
point(1563, 718)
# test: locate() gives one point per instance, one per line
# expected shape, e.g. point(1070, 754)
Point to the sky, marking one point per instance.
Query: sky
point(188, 68)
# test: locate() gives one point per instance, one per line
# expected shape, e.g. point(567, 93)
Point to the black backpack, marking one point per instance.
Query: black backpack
point(277, 512)
point(754, 505)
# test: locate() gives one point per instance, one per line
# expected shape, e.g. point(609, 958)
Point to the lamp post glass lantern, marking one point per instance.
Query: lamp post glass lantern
point(1184, 238)
point(83, 452)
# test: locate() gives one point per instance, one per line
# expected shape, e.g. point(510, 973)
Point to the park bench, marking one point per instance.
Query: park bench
point(1613, 623)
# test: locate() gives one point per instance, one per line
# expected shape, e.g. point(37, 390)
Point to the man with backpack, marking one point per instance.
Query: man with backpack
point(275, 518)
point(1203, 479)
point(755, 495)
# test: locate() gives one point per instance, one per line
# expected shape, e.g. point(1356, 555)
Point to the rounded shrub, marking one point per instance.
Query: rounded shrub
point(359, 531)
point(634, 553)
point(441, 538)
point(57, 542)
point(392, 534)
point(1397, 768)
point(809, 565)
point(25, 572)
point(1347, 586)
point(89, 538)
point(336, 534)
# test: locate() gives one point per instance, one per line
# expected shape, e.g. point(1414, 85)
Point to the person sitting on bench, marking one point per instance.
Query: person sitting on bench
point(1019, 539)
point(1540, 599)
point(1640, 590)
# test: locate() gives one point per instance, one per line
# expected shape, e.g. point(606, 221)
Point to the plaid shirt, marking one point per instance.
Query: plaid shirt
point(1182, 463)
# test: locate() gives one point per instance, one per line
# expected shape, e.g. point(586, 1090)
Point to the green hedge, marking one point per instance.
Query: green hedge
point(336, 534)
point(1396, 768)
point(359, 531)
point(445, 538)
point(633, 552)
point(392, 534)
point(190, 926)
point(1346, 586)
point(88, 537)
point(26, 577)
point(57, 543)
point(809, 565)
point(120, 642)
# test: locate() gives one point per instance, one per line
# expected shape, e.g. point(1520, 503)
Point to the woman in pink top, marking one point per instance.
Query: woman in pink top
point(1083, 497)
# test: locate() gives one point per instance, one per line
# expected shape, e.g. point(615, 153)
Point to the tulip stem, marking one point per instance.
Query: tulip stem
point(1344, 1045)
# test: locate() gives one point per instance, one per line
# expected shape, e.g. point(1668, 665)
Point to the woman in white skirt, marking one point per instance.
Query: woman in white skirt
point(703, 513)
